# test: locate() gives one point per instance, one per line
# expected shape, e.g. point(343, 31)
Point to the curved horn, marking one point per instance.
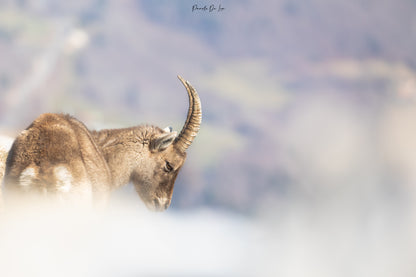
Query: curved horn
point(193, 120)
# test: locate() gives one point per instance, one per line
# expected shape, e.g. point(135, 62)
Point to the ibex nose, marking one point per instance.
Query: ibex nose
point(160, 204)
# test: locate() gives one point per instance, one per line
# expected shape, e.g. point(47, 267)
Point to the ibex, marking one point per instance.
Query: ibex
point(58, 155)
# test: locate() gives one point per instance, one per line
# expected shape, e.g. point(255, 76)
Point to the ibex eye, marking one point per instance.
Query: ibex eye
point(168, 167)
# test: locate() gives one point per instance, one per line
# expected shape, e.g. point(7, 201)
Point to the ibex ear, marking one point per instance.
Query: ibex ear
point(163, 141)
point(168, 129)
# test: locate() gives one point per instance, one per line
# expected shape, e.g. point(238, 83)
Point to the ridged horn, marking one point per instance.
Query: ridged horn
point(193, 119)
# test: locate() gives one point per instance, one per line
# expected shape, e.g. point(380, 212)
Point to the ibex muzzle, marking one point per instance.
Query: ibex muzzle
point(58, 155)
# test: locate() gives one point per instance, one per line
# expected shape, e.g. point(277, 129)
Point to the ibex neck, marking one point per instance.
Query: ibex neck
point(122, 149)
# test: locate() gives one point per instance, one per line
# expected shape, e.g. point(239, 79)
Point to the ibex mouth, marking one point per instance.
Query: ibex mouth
point(158, 204)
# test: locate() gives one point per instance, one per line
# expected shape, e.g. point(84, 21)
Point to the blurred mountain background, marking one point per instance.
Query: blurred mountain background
point(308, 99)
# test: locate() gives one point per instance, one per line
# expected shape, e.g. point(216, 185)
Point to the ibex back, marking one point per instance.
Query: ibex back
point(58, 155)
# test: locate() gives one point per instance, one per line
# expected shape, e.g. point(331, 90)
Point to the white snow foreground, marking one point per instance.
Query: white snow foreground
point(293, 240)
point(121, 242)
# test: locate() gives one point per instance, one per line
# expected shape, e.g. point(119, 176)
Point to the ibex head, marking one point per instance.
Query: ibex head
point(164, 155)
